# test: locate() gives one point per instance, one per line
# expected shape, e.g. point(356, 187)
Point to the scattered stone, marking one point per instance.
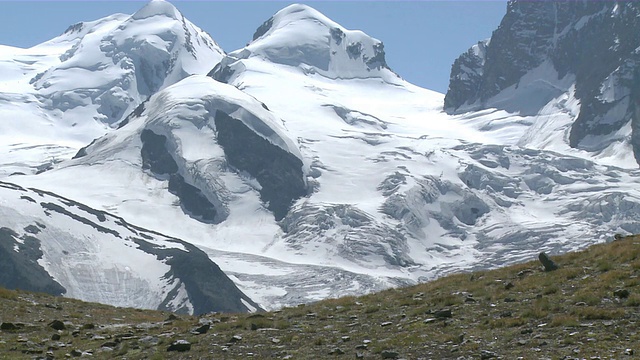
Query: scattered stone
point(443, 314)
point(203, 329)
point(509, 300)
point(486, 354)
point(508, 285)
point(55, 337)
point(359, 355)
point(361, 347)
point(581, 303)
point(7, 326)
point(57, 325)
point(312, 315)
point(621, 293)
point(388, 354)
point(53, 306)
point(172, 317)
point(524, 272)
point(469, 299)
point(88, 326)
point(522, 342)
point(32, 351)
point(149, 340)
point(526, 331)
point(628, 352)
point(548, 264)
point(76, 353)
point(336, 351)
point(275, 340)
point(429, 320)
point(386, 323)
point(346, 338)
point(109, 344)
point(235, 339)
point(180, 345)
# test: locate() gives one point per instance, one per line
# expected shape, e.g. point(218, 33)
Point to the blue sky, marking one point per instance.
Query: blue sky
point(421, 38)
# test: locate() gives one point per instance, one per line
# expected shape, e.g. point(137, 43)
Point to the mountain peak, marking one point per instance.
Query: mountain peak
point(301, 36)
point(157, 8)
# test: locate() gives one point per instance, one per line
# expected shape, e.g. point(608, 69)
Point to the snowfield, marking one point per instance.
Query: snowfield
point(382, 187)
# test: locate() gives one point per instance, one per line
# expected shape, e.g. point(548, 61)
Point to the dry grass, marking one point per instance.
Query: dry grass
point(566, 313)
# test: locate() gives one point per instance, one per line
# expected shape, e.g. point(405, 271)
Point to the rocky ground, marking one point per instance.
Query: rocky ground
point(588, 308)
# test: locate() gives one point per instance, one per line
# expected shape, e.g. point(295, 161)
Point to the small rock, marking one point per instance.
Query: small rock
point(548, 264)
point(442, 314)
point(522, 342)
point(388, 354)
point(508, 285)
point(509, 300)
point(429, 320)
point(180, 345)
point(486, 354)
point(312, 315)
point(235, 339)
point(628, 352)
point(469, 299)
point(361, 347)
point(7, 326)
point(526, 331)
point(581, 303)
point(172, 317)
point(359, 355)
point(275, 340)
point(88, 326)
point(110, 344)
point(55, 337)
point(346, 338)
point(386, 323)
point(76, 353)
point(202, 329)
point(57, 325)
point(618, 237)
point(149, 340)
point(336, 351)
point(621, 293)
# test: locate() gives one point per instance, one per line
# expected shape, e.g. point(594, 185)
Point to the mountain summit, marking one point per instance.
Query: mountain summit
point(301, 36)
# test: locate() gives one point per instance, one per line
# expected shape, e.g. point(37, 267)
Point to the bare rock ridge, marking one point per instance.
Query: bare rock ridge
point(594, 44)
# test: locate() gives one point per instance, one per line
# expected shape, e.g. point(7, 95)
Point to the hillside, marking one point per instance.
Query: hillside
point(587, 308)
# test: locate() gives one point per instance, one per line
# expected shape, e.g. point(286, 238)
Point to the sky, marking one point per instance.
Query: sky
point(421, 38)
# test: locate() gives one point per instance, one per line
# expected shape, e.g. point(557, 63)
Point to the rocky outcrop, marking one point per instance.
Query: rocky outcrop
point(278, 171)
point(593, 43)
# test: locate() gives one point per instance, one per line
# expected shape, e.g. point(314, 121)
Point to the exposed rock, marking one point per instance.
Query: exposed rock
point(8, 326)
point(548, 264)
point(486, 354)
point(278, 172)
point(336, 351)
point(202, 329)
point(443, 314)
point(389, 354)
point(621, 293)
point(180, 346)
point(235, 338)
point(57, 325)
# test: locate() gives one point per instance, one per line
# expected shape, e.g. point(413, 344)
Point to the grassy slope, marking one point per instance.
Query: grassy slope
point(568, 313)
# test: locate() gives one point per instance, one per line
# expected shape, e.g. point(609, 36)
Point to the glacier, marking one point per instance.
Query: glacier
point(306, 168)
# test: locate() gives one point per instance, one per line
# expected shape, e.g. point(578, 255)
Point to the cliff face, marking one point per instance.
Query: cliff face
point(593, 44)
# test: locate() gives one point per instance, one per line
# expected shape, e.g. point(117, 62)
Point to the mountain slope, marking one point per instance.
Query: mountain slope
point(587, 308)
point(571, 68)
point(56, 245)
point(72, 88)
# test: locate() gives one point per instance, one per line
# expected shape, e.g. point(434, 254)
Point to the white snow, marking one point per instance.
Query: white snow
point(402, 192)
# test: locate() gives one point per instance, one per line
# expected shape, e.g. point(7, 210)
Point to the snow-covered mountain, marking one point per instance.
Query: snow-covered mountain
point(306, 168)
point(61, 94)
point(56, 245)
point(571, 70)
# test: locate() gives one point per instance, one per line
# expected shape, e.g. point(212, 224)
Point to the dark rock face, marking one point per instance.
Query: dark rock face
point(20, 270)
point(597, 42)
point(546, 261)
point(262, 29)
point(278, 172)
point(209, 289)
point(156, 157)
